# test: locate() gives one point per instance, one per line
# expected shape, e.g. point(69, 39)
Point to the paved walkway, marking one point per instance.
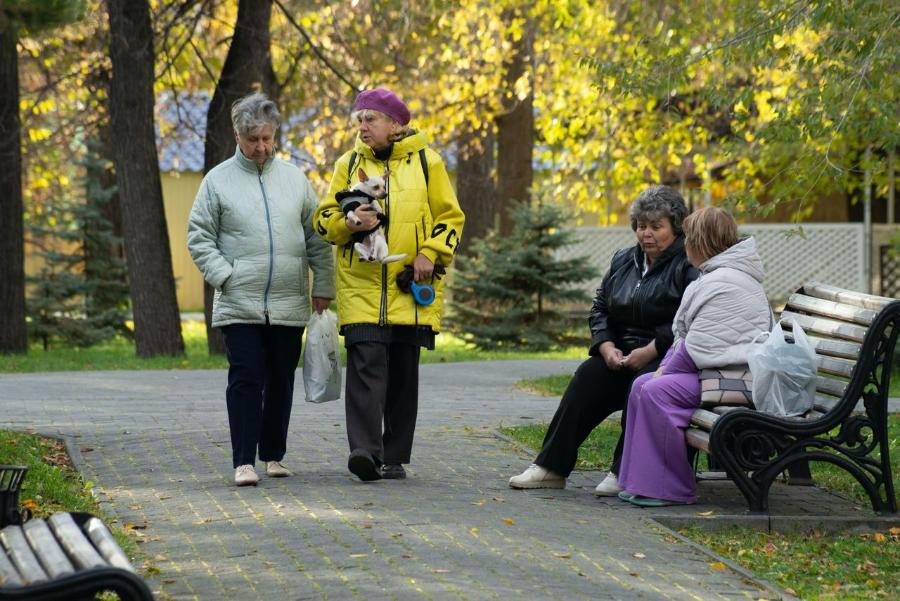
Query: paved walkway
point(155, 443)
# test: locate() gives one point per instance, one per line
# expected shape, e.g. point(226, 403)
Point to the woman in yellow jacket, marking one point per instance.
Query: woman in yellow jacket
point(384, 327)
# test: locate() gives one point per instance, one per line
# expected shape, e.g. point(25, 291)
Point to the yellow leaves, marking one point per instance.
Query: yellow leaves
point(509, 521)
point(718, 565)
point(30, 504)
point(880, 538)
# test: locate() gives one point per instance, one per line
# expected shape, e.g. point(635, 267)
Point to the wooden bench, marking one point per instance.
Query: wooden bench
point(854, 335)
point(66, 557)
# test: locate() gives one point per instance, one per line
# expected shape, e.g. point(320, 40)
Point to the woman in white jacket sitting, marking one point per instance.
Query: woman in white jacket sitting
point(720, 314)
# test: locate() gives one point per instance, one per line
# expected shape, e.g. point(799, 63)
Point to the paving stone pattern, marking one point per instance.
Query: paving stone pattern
point(155, 443)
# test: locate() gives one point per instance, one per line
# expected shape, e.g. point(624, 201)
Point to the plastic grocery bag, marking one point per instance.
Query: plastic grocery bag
point(322, 358)
point(784, 372)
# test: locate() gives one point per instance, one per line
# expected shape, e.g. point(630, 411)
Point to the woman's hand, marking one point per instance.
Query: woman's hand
point(640, 357)
point(320, 304)
point(368, 219)
point(422, 268)
point(612, 356)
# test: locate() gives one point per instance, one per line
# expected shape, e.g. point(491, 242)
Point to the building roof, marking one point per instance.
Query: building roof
point(181, 132)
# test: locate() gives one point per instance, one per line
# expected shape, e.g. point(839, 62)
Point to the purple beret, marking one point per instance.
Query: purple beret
point(383, 101)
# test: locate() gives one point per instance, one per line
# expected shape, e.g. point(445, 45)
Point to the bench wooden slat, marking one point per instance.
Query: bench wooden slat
point(850, 297)
point(822, 325)
point(826, 308)
point(703, 418)
point(834, 366)
point(77, 546)
point(699, 439)
point(829, 386)
point(21, 555)
point(107, 545)
point(825, 403)
point(9, 575)
point(47, 549)
point(835, 348)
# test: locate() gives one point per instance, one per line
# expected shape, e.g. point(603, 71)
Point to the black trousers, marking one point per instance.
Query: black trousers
point(382, 399)
point(262, 360)
point(593, 393)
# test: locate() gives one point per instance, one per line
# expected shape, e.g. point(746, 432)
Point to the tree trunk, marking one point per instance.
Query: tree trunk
point(13, 332)
point(157, 324)
point(515, 133)
point(475, 186)
point(248, 67)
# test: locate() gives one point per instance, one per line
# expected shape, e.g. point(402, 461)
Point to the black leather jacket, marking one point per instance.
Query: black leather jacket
point(630, 309)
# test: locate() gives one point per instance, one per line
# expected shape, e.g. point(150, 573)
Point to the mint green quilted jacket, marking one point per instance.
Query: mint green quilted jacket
point(250, 233)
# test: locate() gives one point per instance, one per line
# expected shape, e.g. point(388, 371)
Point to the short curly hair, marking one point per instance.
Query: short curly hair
point(656, 202)
point(253, 112)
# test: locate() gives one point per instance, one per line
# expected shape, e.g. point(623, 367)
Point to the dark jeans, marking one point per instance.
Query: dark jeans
point(262, 360)
point(382, 399)
point(592, 395)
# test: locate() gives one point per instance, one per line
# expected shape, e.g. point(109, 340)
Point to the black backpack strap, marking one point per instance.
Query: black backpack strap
point(424, 165)
point(350, 168)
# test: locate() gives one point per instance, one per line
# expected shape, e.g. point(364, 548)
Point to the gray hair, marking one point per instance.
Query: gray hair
point(657, 202)
point(252, 113)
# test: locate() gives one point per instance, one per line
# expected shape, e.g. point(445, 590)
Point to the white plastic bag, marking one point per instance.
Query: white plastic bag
point(784, 372)
point(322, 358)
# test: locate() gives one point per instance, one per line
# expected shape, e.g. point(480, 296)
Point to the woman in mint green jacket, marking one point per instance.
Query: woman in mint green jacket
point(250, 233)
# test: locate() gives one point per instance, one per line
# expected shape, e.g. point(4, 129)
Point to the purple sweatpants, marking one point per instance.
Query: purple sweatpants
point(654, 462)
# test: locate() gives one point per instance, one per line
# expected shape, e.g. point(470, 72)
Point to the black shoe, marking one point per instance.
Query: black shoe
point(393, 471)
point(363, 466)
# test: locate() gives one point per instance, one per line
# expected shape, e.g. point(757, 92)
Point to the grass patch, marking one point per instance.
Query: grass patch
point(51, 484)
point(119, 353)
point(814, 566)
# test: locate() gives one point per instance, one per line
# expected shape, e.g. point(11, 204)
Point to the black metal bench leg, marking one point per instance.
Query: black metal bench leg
point(799, 474)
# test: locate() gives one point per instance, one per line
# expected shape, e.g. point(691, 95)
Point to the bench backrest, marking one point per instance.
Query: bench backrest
point(854, 336)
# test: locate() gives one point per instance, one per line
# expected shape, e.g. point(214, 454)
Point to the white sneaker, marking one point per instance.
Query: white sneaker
point(537, 477)
point(276, 469)
point(245, 475)
point(609, 487)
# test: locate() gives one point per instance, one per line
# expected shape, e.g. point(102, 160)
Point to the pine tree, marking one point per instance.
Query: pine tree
point(511, 291)
point(80, 297)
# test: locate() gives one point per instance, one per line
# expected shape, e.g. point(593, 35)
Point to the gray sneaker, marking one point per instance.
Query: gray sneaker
point(276, 469)
point(245, 475)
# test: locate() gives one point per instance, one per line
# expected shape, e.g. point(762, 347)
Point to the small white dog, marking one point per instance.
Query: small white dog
point(368, 191)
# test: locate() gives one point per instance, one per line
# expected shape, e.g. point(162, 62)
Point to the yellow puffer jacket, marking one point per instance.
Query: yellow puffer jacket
point(422, 218)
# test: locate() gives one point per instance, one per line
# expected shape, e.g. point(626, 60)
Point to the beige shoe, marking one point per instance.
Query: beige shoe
point(245, 475)
point(537, 477)
point(276, 469)
point(609, 487)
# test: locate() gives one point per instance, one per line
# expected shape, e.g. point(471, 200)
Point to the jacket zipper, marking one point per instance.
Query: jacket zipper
point(382, 314)
point(271, 247)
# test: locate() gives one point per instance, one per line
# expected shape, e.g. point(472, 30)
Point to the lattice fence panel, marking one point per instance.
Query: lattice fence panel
point(890, 272)
point(832, 253)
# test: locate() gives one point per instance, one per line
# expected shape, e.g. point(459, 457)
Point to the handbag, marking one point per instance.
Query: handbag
point(732, 385)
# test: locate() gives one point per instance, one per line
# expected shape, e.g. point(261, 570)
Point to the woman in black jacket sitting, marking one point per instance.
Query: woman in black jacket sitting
point(631, 330)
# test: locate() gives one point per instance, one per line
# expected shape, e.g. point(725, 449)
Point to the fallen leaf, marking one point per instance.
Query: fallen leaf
point(367, 526)
point(718, 565)
point(473, 530)
point(29, 504)
point(790, 591)
point(563, 555)
point(710, 512)
point(440, 571)
point(879, 537)
point(259, 516)
point(479, 503)
point(895, 531)
point(639, 555)
point(581, 522)
point(509, 521)
point(358, 555)
point(160, 558)
point(203, 521)
point(499, 499)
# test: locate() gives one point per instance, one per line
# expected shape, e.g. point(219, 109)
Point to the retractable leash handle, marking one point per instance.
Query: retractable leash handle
point(422, 293)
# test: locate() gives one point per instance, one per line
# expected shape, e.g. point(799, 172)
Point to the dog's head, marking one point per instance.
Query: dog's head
point(373, 185)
